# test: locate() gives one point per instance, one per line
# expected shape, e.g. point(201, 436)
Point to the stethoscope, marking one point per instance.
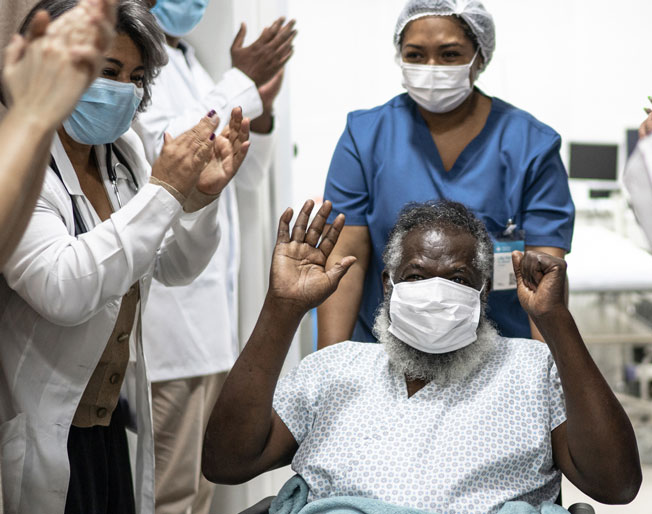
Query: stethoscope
point(110, 169)
point(110, 149)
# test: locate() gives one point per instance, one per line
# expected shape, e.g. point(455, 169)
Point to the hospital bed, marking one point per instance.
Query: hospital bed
point(607, 275)
point(610, 282)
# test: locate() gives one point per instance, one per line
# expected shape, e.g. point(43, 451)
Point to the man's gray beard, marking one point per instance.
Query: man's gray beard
point(440, 368)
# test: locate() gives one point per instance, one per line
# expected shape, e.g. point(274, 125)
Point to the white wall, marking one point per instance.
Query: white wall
point(579, 65)
point(213, 36)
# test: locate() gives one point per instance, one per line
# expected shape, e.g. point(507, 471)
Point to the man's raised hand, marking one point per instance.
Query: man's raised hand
point(298, 278)
point(540, 283)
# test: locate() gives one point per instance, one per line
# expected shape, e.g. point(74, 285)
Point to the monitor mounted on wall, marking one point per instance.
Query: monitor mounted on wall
point(593, 161)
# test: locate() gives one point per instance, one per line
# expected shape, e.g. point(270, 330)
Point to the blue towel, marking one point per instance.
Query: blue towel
point(526, 508)
point(293, 499)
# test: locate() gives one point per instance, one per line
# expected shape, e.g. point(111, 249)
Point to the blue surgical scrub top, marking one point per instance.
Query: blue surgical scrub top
point(386, 157)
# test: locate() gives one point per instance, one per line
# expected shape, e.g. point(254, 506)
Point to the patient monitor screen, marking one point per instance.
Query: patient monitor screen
point(591, 161)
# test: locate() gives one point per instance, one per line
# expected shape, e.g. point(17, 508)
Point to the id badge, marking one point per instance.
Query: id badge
point(504, 244)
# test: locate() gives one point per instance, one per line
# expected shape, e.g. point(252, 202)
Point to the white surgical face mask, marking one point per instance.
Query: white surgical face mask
point(435, 315)
point(438, 88)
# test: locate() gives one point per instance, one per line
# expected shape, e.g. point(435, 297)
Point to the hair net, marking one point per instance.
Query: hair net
point(471, 11)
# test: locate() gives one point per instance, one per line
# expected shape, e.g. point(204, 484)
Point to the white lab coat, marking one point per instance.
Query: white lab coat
point(637, 178)
point(202, 337)
point(58, 308)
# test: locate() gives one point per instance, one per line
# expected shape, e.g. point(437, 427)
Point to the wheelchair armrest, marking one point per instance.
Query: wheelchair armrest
point(581, 508)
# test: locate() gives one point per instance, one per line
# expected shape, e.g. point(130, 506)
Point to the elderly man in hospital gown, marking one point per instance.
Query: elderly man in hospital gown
point(444, 415)
point(190, 334)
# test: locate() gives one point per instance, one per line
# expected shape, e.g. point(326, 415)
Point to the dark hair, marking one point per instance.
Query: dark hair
point(439, 214)
point(134, 20)
point(468, 32)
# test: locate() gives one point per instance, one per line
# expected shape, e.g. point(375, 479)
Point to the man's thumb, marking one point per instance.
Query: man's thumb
point(339, 269)
point(517, 257)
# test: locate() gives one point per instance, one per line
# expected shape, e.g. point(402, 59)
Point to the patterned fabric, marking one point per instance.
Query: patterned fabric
point(464, 447)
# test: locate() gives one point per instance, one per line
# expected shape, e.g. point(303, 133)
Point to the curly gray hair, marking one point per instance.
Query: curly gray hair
point(134, 20)
point(437, 215)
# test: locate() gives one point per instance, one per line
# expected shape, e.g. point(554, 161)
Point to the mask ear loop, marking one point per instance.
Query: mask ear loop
point(475, 56)
point(473, 76)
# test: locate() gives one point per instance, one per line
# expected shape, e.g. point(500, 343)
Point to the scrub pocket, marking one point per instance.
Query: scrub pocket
point(13, 436)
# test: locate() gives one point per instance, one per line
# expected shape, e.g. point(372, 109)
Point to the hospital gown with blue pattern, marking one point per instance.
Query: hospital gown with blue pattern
point(463, 447)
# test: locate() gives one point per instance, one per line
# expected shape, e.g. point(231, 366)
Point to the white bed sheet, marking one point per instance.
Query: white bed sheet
point(603, 261)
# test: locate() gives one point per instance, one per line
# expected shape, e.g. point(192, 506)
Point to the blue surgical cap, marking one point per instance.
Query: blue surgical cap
point(471, 11)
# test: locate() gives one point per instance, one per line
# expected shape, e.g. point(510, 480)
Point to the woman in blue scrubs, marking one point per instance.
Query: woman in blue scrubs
point(444, 138)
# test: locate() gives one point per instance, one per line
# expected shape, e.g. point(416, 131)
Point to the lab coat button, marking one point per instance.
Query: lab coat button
point(114, 378)
point(123, 337)
point(101, 412)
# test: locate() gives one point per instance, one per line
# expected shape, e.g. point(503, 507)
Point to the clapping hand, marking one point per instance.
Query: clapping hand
point(88, 29)
point(298, 278)
point(48, 68)
point(540, 283)
point(184, 158)
point(230, 150)
point(265, 57)
point(270, 90)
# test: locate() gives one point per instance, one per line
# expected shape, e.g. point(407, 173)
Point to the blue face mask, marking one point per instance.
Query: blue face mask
point(104, 112)
point(178, 17)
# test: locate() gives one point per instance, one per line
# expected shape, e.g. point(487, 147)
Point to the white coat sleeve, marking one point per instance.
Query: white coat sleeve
point(188, 247)
point(235, 89)
point(68, 279)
